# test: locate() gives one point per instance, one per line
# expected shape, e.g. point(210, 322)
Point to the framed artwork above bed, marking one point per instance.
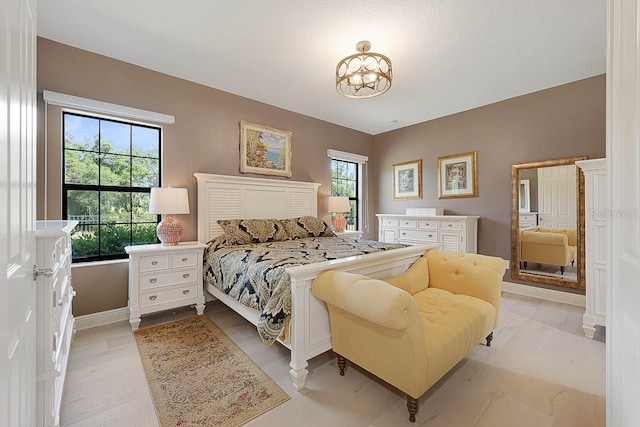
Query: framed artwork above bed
point(264, 150)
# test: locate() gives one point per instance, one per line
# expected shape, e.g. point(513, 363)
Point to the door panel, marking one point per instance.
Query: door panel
point(17, 191)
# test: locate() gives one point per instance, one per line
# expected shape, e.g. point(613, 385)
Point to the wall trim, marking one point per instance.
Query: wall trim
point(101, 318)
point(545, 294)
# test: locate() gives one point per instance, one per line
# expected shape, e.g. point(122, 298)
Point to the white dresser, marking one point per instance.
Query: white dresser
point(452, 232)
point(527, 219)
point(595, 233)
point(163, 277)
point(55, 323)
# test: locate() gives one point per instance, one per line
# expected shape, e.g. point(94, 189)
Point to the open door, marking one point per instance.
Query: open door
point(17, 212)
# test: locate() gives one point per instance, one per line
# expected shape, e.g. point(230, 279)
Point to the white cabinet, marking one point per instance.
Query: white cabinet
point(164, 277)
point(595, 207)
point(55, 322)
point(451, 232)
point(527, 219)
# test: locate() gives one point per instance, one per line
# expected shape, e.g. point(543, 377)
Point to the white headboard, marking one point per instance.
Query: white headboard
point(231, 197)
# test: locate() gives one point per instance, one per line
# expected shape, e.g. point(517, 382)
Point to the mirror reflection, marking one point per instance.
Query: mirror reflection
point(547, 227)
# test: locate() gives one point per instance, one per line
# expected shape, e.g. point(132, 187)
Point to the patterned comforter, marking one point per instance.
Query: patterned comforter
point(254, 274)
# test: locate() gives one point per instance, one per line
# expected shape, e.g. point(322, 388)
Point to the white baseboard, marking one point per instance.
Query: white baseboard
point(102, 318)
point(544, 293)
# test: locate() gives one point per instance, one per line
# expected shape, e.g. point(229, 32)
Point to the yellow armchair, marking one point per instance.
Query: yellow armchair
point(411, 329)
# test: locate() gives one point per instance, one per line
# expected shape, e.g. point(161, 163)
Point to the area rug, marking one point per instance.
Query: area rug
point(199, 377)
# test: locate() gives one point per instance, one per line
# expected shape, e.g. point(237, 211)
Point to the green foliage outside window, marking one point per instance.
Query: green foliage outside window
point(109, 169)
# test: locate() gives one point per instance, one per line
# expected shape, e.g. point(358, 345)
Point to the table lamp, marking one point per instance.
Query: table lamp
point(339, 204)
point(169, 202)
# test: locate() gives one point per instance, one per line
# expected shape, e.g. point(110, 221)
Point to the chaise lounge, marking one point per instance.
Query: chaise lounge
point(410, 330)
point(553, 246)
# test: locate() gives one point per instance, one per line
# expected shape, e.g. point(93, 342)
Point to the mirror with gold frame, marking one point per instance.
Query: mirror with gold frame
point(544, 233)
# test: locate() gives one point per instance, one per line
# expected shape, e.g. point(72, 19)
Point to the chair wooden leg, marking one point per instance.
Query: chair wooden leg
point(342, 364)
point(489, 339)
point(412, 406)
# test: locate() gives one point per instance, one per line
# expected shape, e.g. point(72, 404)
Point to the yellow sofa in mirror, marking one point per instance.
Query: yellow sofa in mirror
point(410, 330)
point(556, 247)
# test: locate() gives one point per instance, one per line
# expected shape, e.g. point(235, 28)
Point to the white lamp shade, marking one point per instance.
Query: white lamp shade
point(339, 204)
point(173, 201)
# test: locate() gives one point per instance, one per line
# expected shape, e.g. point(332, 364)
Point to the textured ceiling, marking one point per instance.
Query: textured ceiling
point(448, 55)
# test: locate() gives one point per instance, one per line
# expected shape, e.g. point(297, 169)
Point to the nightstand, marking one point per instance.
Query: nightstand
point(349, 234)
point(164, 277)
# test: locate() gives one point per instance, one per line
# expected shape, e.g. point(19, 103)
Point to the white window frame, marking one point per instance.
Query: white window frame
point(363, 223)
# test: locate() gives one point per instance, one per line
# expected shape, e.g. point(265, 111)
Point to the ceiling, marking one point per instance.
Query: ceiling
point(448, 55)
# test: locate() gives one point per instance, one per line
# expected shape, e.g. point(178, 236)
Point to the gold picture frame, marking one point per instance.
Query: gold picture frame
point(407, 180)
point(457, 176)
point(264, 150)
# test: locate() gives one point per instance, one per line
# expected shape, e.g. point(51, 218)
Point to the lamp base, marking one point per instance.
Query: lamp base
point(169, 230)
point(339, 223)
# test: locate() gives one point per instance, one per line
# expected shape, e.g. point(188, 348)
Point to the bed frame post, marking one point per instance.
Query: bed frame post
point(299, 358)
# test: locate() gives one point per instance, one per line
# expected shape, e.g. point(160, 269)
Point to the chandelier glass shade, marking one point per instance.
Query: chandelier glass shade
point(364, 74)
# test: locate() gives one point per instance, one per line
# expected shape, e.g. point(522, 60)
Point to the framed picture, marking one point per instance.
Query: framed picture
point(407, 180)
point(457, 176)
point(264, 150)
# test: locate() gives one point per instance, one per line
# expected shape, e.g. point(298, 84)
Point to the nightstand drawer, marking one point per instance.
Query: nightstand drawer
point(148, 299)
point(187, 259)
point(154, 263)
point(150, 281)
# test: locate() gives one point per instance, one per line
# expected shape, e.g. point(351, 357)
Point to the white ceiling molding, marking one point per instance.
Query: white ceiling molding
point(92, 105)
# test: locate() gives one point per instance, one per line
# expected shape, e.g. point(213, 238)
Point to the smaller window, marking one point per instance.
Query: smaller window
point(345, 182)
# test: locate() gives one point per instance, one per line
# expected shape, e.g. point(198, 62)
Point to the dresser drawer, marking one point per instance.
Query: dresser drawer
point(154, 263)
point(422, 235)
point(408, 223)
point(429, 224)
point(150, 280)
point(450, 225)
point(185, 259)
point(159, 297)
point(387, 222)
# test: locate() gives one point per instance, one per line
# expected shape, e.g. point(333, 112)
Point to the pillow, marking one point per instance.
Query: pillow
point(306, 226)
point(245, 231)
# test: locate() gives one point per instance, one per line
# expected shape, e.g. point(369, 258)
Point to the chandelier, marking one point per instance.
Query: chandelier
point(365, 74)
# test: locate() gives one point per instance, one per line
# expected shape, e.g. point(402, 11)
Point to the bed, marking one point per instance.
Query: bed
point(222, 197)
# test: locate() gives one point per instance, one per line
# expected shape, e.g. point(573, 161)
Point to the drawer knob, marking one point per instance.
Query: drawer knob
point(154, 280)
point(154, 263)
point(449, 225)
point(186, 275)
point(430, 235)
point(404, 234)
point(185, 292)
point(153, 297)
point(185, 259)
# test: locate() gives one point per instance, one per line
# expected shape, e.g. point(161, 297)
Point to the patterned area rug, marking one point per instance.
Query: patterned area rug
point(199, 377)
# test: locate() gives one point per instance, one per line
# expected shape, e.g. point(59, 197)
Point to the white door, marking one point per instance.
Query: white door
point(623, 214)
point(17, 212)
point(557, 197)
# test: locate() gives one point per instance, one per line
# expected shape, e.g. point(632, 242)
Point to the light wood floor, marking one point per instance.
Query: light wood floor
point(539, 371)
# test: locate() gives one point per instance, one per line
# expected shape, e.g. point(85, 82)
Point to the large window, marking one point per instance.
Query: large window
point(345, 177)
point(109, 169)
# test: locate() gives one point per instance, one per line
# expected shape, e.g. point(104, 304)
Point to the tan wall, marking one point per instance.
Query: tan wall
point(204, 138)
point(560, 122)
point(564, 121)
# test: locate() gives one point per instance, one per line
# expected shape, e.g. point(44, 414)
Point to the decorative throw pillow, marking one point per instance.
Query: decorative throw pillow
point(245, 231)
point(306, 226)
